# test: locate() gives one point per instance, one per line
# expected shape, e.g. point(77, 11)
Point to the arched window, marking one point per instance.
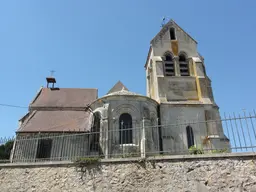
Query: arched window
point(169, 65)
point(95, 133)
point(190, 136)
point(172, 34)
point(184, 71)
point(125, 128)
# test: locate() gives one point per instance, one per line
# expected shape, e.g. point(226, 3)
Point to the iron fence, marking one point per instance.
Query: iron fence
point(143, 138)
point(4, 140)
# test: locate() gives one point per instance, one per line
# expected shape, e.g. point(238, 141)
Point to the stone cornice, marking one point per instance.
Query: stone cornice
point(245, 155)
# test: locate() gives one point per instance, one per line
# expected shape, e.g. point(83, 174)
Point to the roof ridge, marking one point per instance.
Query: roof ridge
point(37, 95)
point(28, 119)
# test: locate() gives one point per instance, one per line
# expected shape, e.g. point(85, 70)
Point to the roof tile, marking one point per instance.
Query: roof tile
point(64, 97)
point(57, 121)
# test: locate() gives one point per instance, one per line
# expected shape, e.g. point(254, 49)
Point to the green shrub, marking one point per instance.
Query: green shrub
point(5, 150)
point(87, 160)
point(193, 150)
point(219, 150)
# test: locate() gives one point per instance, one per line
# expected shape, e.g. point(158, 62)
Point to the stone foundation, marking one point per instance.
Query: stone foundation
point(186, 174)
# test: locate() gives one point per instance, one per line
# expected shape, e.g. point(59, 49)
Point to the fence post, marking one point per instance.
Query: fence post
point(36, 149)
point(105, 125)
point(157, 148)
point(13, 150)
point(62, 144)
point(143, 139)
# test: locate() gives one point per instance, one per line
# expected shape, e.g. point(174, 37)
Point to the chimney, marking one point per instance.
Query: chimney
point(50, 80)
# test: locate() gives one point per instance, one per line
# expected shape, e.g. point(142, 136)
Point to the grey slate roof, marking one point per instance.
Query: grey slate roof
point(120, 89)
point(117, 87)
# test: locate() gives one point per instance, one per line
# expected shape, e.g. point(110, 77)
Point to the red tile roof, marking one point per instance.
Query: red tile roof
point(59, 110)
point(57, 121)
point(64, 97)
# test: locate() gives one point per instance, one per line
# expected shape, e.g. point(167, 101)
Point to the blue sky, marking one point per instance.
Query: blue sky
point(93, 44)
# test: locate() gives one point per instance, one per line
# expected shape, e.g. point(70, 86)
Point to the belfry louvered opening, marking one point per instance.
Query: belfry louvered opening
point(184, 70)
point(169, 65)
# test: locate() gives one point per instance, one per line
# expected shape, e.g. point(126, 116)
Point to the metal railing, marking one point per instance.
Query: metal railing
point(231, 134)
point(4, 140)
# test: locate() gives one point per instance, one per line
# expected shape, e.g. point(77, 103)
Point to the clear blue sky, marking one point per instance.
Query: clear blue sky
point(93, 44)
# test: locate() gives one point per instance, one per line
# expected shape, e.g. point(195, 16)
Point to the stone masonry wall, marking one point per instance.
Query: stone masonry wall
point(223, 174)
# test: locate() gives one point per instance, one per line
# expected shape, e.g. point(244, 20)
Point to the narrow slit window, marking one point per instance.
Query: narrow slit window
point(184, 70)
point(169, 66)
point(172, 34)
point(190, 136)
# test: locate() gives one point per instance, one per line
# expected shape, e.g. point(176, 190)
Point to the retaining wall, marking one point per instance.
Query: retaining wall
point(225, 173)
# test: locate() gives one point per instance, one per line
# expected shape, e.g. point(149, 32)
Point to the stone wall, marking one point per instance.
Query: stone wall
point(187, 173)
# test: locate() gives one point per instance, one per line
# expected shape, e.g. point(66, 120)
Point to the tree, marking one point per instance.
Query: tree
point(5, 150)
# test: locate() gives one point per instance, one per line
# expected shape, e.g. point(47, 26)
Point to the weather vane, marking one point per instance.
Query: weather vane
point(163, 22)
point(52, 71)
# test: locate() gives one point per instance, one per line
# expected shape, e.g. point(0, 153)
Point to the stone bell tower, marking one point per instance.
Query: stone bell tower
point(177, 79)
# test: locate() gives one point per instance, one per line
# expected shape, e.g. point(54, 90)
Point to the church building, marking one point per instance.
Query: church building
point(177, 113)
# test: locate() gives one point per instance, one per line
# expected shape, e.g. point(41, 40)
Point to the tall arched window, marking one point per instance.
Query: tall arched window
point(190, 136)
point(169, 65)
point(95, 133)
point(184, 71)
point(125, 128)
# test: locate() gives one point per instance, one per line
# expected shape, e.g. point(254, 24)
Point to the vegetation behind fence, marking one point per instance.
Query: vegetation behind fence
point(6, 145)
